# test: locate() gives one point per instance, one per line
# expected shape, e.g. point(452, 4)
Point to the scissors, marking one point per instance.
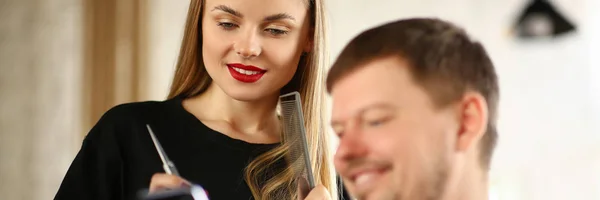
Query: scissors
point(196, 191)
point(168, 165)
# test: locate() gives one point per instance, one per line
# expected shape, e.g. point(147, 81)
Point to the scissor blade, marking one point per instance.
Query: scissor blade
point(159, 148)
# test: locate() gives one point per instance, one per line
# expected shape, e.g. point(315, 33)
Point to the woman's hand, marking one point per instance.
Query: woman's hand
point(161, 181)
point(317, 193)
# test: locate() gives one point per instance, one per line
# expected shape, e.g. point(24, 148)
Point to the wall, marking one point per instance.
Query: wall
point(165, 31)
point(594, 76)
point(40, 84)
point(115, 59)
point(593, 52)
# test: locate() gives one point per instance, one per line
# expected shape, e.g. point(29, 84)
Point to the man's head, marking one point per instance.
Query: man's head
point(413, 100)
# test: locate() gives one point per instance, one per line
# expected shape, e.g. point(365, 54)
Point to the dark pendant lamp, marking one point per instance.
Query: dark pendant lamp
point(541, 19)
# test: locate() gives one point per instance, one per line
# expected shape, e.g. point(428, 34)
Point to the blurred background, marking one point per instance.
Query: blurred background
point(65, 62)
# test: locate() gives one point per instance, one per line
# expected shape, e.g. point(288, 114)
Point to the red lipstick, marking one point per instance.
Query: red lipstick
point(245, 73)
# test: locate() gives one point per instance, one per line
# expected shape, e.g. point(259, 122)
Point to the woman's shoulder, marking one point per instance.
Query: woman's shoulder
point(132, 109)
point(123, 126)
point(132, 117)
point(140, 110)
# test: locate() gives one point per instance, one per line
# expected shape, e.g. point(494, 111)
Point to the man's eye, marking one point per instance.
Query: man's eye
point(338, 132)
point(377, 122)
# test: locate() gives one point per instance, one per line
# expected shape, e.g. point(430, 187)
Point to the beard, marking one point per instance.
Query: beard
point(438, 182)
point(435, 178)
point(430, 186)
point(431, 182)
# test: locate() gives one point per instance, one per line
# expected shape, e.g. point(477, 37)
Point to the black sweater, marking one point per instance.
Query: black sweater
point(117, 158)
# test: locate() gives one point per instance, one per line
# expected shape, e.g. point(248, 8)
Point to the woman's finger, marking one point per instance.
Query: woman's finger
point(303, 188)
point(318, 193)
point(166, 181)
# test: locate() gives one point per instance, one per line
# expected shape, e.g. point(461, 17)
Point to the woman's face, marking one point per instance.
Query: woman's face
point(251, 48)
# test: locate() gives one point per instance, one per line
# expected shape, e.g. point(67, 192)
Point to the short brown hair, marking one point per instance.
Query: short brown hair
point(443, 59)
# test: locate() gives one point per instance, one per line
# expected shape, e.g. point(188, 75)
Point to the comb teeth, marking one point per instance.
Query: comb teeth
point(294, 136)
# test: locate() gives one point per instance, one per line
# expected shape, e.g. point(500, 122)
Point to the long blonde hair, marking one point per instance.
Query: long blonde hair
point(191, 79)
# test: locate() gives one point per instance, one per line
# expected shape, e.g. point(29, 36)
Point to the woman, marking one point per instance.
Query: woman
point(219, 126)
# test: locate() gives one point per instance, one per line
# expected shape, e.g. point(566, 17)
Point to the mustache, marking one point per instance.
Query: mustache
point(358, 163)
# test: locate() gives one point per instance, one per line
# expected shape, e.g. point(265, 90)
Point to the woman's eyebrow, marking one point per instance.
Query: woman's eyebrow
point(279, 16)
point(229, 10)
point(269, 18)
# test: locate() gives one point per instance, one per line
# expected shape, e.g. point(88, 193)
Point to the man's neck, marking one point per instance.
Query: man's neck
point(467, 181)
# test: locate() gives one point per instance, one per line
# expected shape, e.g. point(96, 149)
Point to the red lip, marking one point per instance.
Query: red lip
point(245, 67)
point(257, 73)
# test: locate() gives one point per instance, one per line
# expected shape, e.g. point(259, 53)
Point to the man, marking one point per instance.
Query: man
point(414, 106)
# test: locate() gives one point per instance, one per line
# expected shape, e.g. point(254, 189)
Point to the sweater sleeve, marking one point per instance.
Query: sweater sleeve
point(96, 171)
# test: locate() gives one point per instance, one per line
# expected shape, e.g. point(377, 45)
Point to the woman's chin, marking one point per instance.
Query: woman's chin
point(249, 96)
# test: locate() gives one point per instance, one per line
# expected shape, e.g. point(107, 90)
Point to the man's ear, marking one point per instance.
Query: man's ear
point(473, 118)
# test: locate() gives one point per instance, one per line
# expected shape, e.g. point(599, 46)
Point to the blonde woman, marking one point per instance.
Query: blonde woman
point(219, 125)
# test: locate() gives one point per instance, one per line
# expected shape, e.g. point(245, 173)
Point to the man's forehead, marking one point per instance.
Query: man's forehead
point(372, 82)
point(376, 84)
point(345, 109)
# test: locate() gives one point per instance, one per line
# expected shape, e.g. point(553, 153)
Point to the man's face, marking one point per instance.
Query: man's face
point(394, 144)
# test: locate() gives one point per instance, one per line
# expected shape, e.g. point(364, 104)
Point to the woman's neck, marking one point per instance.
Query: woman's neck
point(254, 121)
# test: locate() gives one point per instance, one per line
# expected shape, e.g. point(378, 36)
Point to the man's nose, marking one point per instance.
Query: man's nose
point(351, 146)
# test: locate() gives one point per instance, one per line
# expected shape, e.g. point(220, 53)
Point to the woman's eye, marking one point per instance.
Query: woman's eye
point(227, 25)
point(276, 32)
